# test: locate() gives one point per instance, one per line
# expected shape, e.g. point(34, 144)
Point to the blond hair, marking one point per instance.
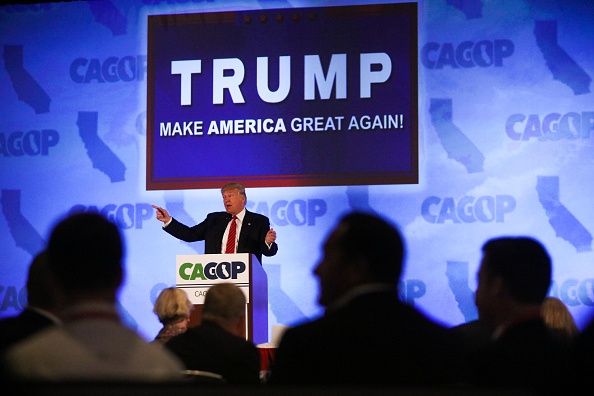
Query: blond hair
point(557, 316)
point(234, 186)
point(172, 304)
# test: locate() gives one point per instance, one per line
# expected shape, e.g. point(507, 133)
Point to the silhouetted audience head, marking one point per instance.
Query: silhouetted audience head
point(173, 308)
point(225, 304)
point(367, 334)
point(514, 271)
point(172, 304)
point(85, 252)
point(513, 280)
point(362, 249)
point(558, 317)
point(43, 302)
point(219, 345)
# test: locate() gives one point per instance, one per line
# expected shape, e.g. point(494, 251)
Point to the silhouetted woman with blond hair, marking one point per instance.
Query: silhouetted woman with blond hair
point(173, 309)
point(557, 316)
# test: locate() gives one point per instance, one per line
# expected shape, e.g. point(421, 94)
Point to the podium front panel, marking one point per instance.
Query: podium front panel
point(196, 273)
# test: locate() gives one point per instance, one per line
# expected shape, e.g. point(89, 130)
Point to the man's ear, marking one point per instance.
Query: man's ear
point(498, 288)
point(238, 327)
point(357, 271)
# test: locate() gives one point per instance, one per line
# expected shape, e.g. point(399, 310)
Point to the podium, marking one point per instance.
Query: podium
point(196, 273)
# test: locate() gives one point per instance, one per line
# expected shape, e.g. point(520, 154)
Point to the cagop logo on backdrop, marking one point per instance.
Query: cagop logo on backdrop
point(297, 212)
point(112, 69)
point(286, 97)
point(30, 143)
point(550, 127)
point(467, 54)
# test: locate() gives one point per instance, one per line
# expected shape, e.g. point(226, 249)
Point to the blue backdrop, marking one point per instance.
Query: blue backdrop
point(506, 118)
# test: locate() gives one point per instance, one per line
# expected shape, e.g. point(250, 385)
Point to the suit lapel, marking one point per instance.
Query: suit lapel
point(245, 229)
point(221, 227)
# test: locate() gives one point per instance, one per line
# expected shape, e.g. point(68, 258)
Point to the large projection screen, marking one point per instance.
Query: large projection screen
point(283, 97)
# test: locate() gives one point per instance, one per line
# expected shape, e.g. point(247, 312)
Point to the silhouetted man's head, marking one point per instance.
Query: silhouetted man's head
point(225, 304)
point(513, 270)
point(85, 252)
point(362, 249)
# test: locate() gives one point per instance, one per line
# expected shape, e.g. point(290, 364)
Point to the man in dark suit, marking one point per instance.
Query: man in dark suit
point(217, 345)
point(253, 232)
point(513, 280)
point(367, 336)
point(43, 300)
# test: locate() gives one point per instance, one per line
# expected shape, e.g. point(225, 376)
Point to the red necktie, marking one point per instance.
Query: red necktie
point(230, 248)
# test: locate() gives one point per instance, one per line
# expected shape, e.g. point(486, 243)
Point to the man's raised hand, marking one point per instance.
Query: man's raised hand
point(161, 214)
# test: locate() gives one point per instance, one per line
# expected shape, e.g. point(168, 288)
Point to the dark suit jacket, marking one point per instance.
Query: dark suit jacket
point(476, 334)
point(527, 355)
point(211, 230)
point(25, 324)
point(582, 353)
point(375, 340)
point(209, 347)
